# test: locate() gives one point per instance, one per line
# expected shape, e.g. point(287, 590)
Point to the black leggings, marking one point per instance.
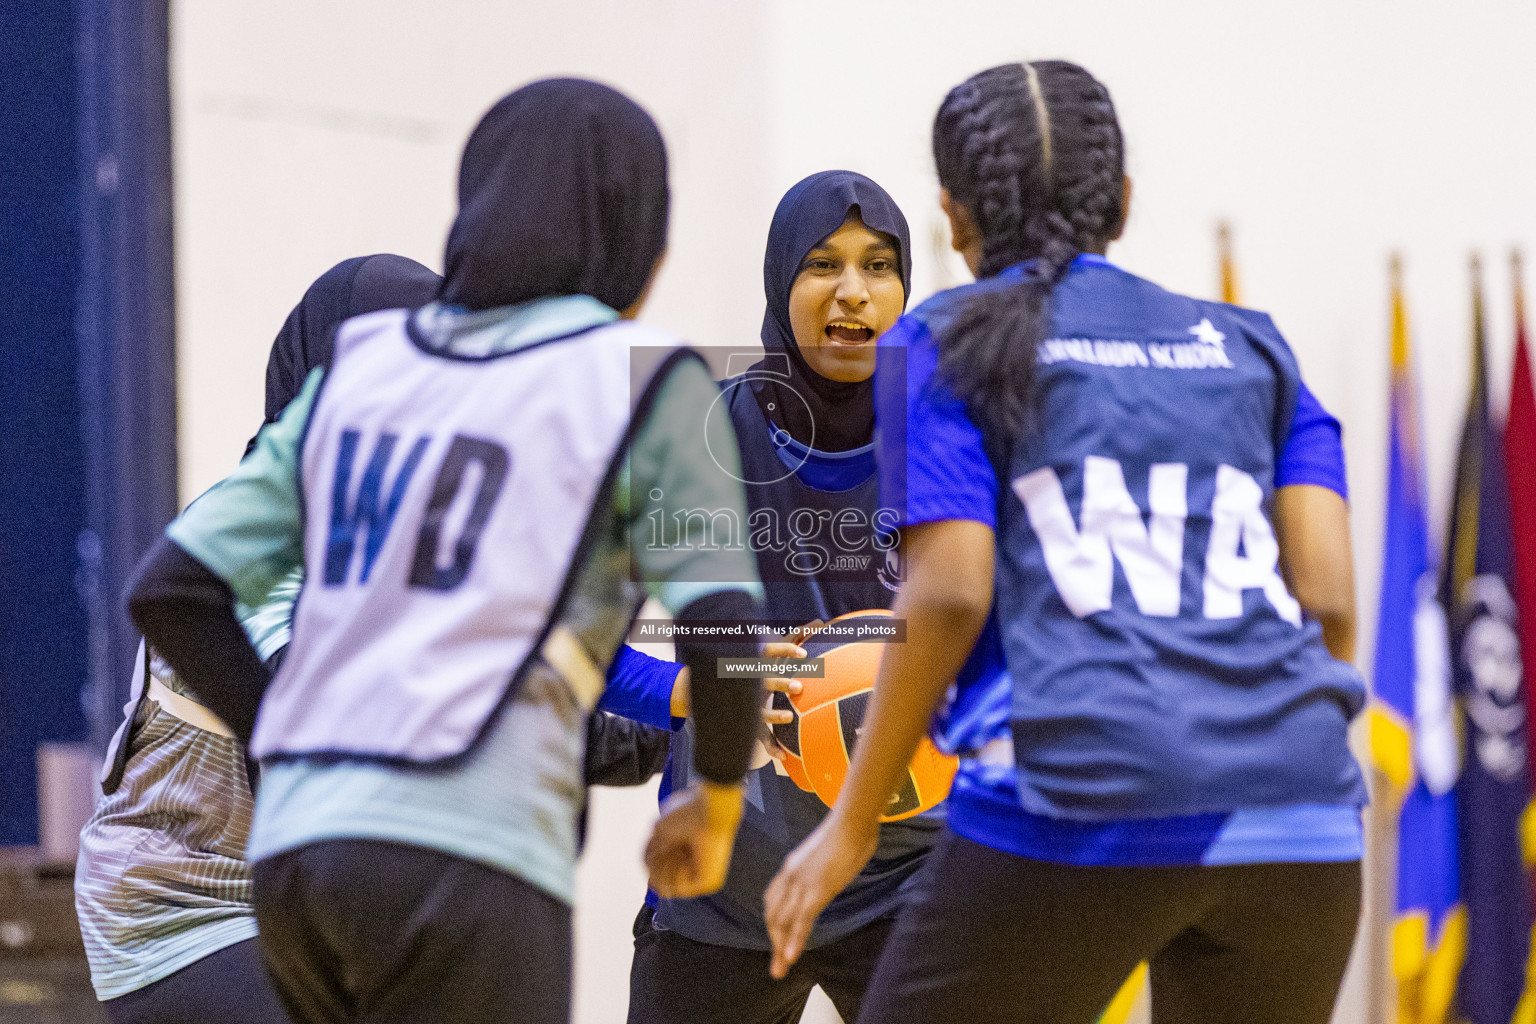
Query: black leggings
point(229, 986)
point(991, 937)
point(383, 933)
point(675, 980)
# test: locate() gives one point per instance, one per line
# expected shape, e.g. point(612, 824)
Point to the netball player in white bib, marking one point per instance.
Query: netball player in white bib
point(462, 486)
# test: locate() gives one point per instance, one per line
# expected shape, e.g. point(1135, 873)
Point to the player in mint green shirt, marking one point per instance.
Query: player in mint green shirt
point(392, 888)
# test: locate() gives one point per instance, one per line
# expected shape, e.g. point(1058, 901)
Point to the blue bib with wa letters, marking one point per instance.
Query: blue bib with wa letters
point(1160, 665)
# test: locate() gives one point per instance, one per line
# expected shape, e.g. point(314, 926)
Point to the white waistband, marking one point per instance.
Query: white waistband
point(186, 709)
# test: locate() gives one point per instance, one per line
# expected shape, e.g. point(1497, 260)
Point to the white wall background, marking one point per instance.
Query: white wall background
point(1329, 132)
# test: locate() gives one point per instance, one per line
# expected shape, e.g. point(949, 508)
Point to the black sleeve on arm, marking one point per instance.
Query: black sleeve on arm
point(187, 613)
point(621, 752)
point(725, 712)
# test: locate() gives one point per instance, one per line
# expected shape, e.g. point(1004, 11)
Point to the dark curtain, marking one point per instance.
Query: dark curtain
point(87, 364)
point(125, 321)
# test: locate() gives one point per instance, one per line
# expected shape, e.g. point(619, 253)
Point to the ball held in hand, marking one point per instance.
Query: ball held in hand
point(829, 713)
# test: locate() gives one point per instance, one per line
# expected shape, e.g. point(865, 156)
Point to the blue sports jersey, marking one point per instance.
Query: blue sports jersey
point(935, 463)
point(840, 492)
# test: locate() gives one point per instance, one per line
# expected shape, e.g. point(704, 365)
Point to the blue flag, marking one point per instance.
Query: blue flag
point(1477, 588)
point(1412, 718)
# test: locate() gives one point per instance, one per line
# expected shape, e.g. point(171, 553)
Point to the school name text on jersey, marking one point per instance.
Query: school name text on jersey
point(1207, 351)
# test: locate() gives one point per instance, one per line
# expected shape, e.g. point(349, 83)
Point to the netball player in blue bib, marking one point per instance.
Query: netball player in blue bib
point(836, 275)
point(1122, 502)
point(463, 485)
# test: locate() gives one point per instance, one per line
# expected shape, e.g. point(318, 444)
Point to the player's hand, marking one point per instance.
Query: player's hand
point(774, 649)
point(689, 850)
point(814, 872)
point(783, 649)
point(780, 684)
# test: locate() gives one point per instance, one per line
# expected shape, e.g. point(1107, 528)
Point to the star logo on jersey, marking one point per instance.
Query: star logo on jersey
point(1206, 333)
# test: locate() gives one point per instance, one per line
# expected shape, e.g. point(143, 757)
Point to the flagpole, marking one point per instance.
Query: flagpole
point(1517, 271)
point(1386, 796)
point(1461, 546)
point(1227, 264)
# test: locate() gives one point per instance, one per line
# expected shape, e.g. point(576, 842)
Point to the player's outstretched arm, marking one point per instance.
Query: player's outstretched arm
point(945, 600)
point(676, 464)
point(645, 699)
point(690, 850)
point(643, 689)
point(655, 692)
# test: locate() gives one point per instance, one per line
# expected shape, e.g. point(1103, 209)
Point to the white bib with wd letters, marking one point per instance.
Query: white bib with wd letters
point(446, 498)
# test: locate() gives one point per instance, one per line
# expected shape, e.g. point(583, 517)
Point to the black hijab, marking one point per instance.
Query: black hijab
point(350, 288)
point(562, 191)
point(840, 416)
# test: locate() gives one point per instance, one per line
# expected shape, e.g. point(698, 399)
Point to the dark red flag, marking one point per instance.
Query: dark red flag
point(1520, 469)
point(1520, 464)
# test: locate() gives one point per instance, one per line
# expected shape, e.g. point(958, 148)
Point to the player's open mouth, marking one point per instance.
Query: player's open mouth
point(848, 332)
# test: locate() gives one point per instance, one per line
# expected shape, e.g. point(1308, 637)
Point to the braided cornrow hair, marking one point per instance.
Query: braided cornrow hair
point(1034, 153)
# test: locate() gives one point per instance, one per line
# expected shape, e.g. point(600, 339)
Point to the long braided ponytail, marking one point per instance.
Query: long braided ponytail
point(1034, 153)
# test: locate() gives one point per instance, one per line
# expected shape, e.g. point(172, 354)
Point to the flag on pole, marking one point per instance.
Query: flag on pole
point(1495, 786)
point(1520, 462)
point(1412, 719)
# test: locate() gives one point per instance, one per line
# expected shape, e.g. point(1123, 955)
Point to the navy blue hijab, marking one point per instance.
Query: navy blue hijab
point(351, 288)
point(839, 415)
point(562, 191)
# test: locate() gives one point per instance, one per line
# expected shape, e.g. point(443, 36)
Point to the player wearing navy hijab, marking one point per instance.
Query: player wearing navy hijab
point(162, 887)
point(836, 275)
point(456, 486)
point(1122, 502)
